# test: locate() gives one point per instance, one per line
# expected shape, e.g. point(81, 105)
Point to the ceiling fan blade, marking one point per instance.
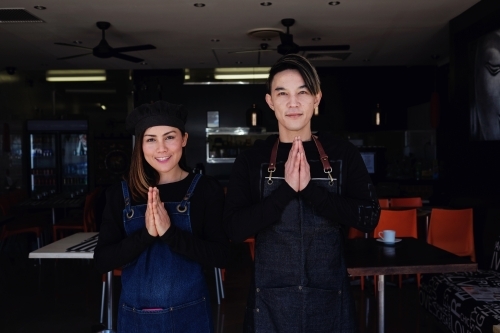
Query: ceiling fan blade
point(325, 48)
point(127, 57)
point(252, 51)
point(135, 48)
point(286, 38)
point(75, 56)
point(74, 45)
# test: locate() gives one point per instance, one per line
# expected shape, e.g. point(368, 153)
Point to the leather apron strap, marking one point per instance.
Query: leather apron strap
point(327, 168)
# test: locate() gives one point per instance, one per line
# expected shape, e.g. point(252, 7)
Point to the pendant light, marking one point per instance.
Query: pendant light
point(254, 116)
point(378, 116)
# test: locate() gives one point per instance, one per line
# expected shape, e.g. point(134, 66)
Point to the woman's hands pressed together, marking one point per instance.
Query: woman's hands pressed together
point(297, 172)
point(157, 219)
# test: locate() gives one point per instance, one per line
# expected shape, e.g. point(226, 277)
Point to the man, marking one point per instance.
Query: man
point(294, 191)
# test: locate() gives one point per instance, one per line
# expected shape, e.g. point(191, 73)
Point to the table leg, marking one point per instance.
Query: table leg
point(381, 304)
point(109, 288)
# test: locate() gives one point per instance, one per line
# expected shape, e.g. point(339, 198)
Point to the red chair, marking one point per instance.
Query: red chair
point(452, 230)
point(384, 203)
point(406, 202)
point(85, 223)
point(251, 245)
point(22, 223)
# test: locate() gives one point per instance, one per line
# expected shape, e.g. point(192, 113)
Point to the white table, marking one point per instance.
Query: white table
point(57, 250)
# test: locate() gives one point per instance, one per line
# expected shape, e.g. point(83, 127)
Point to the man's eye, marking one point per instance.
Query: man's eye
point(493, 69)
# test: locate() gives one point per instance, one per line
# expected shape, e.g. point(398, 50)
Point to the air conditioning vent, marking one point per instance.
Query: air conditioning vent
point(326, 55)
point(17, 15)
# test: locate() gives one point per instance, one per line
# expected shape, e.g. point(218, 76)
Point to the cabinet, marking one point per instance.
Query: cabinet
point(223, 144)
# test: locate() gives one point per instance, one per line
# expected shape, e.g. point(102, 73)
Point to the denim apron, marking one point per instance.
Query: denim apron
point(162, 291)
point(301, 281)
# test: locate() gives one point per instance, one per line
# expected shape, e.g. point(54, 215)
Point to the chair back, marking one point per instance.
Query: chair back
point(384, 203)
point(406, 202)
point(452, 230)
point(89, 210)
point(404, 222)
point(355, 233)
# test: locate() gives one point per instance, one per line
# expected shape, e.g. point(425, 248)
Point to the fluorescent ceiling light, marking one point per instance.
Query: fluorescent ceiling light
point(229, 75)
point(241, 73)
point(74, 75)
point(240, 76)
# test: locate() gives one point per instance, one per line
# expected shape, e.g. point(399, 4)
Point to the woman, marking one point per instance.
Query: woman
point(161, 226)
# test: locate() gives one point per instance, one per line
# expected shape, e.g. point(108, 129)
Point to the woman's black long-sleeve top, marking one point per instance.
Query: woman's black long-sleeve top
point(207, 244)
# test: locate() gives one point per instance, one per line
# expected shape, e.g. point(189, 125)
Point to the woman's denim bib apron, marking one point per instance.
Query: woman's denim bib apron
point(301, 282)
point(162, 291)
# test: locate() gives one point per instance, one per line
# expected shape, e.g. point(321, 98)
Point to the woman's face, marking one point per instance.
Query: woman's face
point(162, 149)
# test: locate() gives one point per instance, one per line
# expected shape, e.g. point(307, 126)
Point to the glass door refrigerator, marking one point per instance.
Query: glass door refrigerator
point(58, 157)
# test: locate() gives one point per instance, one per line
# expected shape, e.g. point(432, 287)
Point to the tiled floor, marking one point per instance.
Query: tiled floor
point(64, 296)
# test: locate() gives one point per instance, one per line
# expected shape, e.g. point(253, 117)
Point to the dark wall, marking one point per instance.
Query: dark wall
point(472, 166)
point(349, 96)
point(471, 177)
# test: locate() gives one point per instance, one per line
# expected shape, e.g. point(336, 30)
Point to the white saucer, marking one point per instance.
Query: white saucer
point(397, 240)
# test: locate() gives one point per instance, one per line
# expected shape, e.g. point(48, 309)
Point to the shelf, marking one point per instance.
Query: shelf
point(223, 144)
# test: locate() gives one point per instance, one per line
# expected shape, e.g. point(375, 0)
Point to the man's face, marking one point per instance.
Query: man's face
point(292, 103)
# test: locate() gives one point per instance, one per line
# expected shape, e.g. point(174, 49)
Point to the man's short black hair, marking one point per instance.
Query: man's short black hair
point(302, 65)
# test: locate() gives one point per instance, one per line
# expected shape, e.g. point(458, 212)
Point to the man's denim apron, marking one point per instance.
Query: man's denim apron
point(301, 282)
point(162, 291)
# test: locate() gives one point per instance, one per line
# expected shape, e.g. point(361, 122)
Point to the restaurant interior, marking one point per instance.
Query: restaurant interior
point(410, 121)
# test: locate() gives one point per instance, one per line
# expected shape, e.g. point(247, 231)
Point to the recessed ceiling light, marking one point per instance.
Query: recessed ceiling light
point(103, 106)
point(215, 40)
point(199, 4)
point(316, 39)
point(144, 63)
point(334, 3)
point(40, 7)
point(77, 42)
point(266, 4)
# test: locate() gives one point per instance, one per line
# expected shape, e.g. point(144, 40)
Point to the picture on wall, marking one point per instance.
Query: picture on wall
point(485, 101)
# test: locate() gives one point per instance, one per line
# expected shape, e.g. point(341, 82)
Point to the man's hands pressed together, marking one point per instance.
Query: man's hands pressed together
point(297, 172)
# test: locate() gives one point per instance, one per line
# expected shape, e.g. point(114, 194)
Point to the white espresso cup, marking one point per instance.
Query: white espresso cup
point(387, 236)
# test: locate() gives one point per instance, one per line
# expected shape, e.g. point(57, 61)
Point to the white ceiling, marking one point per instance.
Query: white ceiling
point(387, 32)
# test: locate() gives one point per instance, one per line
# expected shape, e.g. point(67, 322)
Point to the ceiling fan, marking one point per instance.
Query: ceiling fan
point(287, 45)
point(104, 50)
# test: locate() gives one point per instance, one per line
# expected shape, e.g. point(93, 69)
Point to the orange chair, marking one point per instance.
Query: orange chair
point(404, 222)
point(85, 223)
point(452, 230)
point(384, 203)
point(22, 223)
point(251, 246)
point(406, 202)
